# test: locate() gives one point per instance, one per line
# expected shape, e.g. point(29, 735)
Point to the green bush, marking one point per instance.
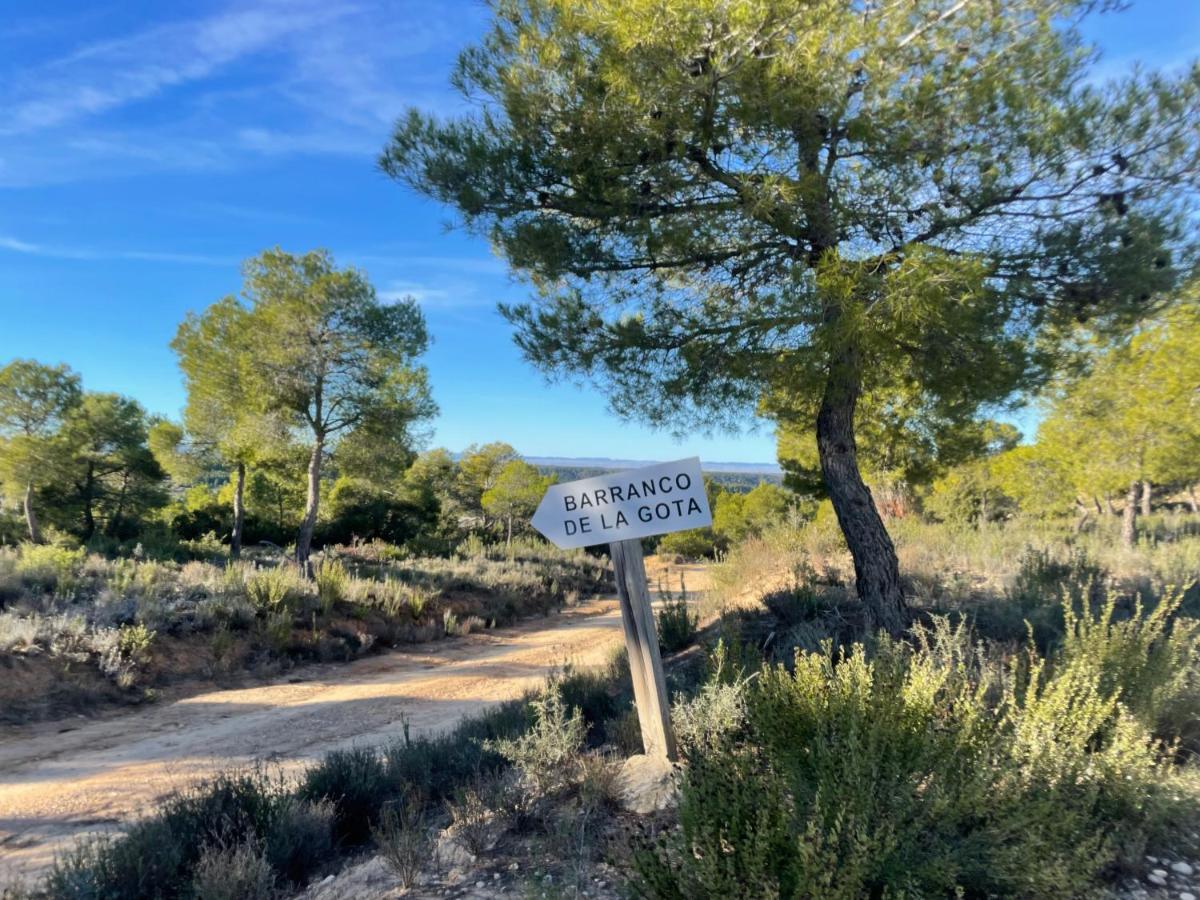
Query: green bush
point(157, 856)
point(791, 606)
point(546, 754)
point(440, 763)
point(696, 543)
point(929, 770)
point(272, 589)
point(299, 838)
point(333, 583)
point(1042, 578)
point(49, 568)
point(357, 783)
point(676, 624)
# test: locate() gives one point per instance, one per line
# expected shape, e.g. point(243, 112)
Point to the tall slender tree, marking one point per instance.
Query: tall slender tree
point(478, 469)
point(516, 493)
point(224, 417)
point(715, 199)
point(329, 358)
point(34, 398)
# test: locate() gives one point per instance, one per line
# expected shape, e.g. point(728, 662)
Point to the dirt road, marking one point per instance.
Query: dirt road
point(63, 781)
point(56, 785)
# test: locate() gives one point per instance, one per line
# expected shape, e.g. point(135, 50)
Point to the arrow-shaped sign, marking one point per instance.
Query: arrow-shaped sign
point(622, 506)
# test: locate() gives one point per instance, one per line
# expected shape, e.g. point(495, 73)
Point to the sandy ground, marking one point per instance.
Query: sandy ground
point(61, 781)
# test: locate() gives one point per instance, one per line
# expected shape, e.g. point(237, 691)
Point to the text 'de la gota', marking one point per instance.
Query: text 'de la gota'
point(624, 505)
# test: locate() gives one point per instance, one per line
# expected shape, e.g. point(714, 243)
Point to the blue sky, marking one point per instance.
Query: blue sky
point(146, 148)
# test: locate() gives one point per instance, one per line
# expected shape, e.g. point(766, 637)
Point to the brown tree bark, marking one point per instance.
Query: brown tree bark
point(239, 512)
point(1146, 497)
point(1099, 508)
point(35, 532)
point(876, 568)
point(1129, 515)
point(87, 491)
point(1084, 515)
point(309, 522)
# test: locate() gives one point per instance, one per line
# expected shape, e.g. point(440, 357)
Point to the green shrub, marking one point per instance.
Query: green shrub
point(271, 589)
point(696, 543)
point(441, 763)
point(299, 838)
point(276, 630)
point(333, 582)
point(676, 624)
point(418, 600)
point(926, 770)
point(357, 783)
point(712, 719)
point(791, 606)
point(157, 855)
point(1149, 661)
point(1042, 578)
point(546, 754)
point(591, 692)
point(49, 568)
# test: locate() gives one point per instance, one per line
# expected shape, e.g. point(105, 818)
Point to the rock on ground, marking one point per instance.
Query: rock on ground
point(646, 784)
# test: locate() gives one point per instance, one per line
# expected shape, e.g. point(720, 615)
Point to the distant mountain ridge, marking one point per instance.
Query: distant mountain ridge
point(605, 462)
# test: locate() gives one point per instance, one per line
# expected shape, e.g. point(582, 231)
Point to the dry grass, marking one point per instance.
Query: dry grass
point(63, 607)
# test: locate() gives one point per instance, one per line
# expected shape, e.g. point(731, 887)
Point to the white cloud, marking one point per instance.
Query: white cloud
point(115, 73)
point(93, 254)
point(257, 80)
point(16, 246)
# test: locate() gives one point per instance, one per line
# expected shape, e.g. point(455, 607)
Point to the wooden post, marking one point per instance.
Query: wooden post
point(641, 640)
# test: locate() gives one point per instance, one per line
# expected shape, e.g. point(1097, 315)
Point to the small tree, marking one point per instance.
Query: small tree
point(224, 420)
point(719, 200)
point(105, 475)
point(478, 469)
point(329, 358)
point(1132, 419)
point(34, 398)
point(518, 490)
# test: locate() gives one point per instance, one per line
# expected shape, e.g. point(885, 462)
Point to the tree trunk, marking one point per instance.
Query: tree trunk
point(1193, 501)
point(35, 533)
point(876, 569)
point(508, 541)
point(1108, 505)
point(1146, 497)
point(239, 513)
point(1084, 515)
point(1129, 515)
point(1099, 508)
point(304, 540)
point(89, 516)
point(114, 521)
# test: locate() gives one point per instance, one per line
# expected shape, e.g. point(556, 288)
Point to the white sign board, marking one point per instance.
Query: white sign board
point(625, 505)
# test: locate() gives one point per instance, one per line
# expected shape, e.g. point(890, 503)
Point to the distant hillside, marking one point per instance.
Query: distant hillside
point(731, 476)
point(608, 464)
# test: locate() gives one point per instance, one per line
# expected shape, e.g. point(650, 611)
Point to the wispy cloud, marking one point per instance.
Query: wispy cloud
point(110, 74)
point(255, 80)
point(93, 254)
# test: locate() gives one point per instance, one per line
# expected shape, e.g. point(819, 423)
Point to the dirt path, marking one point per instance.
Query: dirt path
point(61, 782)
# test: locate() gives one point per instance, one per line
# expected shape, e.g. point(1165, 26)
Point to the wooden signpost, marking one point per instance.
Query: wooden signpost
point(620, 509)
